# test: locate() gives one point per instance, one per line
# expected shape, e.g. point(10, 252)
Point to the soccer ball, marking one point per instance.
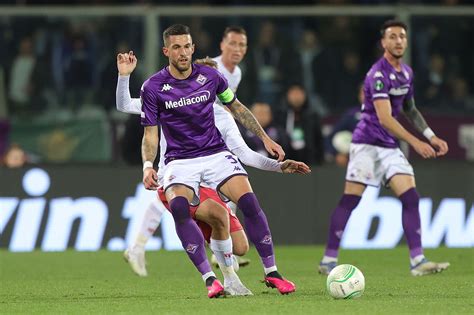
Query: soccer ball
point(345, 282)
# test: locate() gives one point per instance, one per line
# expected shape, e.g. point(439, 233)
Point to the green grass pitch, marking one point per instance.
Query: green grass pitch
point(101, 282)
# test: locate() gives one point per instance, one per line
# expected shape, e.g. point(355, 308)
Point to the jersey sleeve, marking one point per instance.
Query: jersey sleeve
point(149, 110)
point(223, 91)
point(378, 85)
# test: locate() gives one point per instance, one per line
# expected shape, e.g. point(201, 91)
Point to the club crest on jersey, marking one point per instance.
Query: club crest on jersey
point(201, 79)
point(166, 87)
point(267, 240)
point(191, 248)
point(378, 85)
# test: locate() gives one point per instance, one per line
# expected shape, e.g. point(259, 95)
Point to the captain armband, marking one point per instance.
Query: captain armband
point(226, 97)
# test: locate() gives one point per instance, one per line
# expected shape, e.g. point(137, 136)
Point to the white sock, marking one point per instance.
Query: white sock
point(222, 249)
point(329, 259)
point(151, 221)
point(416, 260)
point(207, 275)
point(269, 269)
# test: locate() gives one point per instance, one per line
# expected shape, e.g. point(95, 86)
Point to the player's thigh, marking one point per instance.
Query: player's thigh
point(181, 178)
point(352, 188)
point(225, 174)
point(240, 242)
point(363, 165)
point(400, 183)
point(179, 190)
point(235, 187)
point(212, 213)
point(397, 167)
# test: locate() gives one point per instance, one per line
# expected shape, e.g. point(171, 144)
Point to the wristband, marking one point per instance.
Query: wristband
point(428, 133)
point(147, 164)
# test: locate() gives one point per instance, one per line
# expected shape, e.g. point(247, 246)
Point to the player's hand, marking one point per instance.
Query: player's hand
point(150, 178)
point(126, 63)
point(440, 145)
point(207, 62)
point(274, 149)
point(291, 167)
point(424, 149)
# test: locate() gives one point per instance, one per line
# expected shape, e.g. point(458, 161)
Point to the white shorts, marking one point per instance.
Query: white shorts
point(208, 171)
point(370, 165)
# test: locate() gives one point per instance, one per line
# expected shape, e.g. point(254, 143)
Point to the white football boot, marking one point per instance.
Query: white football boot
point(135, 256)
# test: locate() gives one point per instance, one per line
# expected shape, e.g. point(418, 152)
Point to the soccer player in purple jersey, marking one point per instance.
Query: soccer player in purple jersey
point(375, 155)
point(180, 98)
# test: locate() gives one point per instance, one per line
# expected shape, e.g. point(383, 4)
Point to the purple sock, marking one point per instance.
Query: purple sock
point(340, 216)
point(411, 221)
point(257, 228)
point(189, 234)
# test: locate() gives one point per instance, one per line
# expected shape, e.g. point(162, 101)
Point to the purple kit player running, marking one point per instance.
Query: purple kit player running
point(374, 153)
point(180, 98)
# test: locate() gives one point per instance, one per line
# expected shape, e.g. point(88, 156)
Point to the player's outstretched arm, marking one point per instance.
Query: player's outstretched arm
point(248, 120)
point(417, 120)
point(254, 159)
point(126, 63)
point(295, 167)
point(384, 114)
point(150, 144)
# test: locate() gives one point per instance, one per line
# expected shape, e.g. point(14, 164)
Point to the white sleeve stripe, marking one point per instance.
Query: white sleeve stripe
point(380, 95)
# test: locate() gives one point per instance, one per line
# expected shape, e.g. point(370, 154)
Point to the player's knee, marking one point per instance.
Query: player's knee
point(180, 209)
point(240, 248)
point(249, 205)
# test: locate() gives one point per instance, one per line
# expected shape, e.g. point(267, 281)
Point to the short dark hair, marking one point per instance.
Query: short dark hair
point(392, 23)
point(234, 29)
point(175, 29)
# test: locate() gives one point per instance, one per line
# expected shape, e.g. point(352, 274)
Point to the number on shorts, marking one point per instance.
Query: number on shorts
point(231, 158)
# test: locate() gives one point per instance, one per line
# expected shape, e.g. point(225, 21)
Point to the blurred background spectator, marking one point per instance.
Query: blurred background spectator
point(14, 157)
point(302, 125)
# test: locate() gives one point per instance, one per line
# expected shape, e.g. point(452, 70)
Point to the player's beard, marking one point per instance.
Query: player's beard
point(395, 55)
point(182, 68)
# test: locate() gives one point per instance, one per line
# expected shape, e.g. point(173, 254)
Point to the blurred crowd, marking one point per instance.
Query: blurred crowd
point(298, 74)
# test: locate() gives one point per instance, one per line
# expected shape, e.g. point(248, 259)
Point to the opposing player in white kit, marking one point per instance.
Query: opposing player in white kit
point(375, 155)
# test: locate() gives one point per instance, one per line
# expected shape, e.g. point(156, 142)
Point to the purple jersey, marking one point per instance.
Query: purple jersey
point(183, 108)
point(382, 82)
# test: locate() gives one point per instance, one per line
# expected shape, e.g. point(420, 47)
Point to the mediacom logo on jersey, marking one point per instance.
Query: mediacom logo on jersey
point(194, 98)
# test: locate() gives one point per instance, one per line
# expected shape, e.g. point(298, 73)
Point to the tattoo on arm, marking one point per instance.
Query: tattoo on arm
point(246, 118)
point(414, 115)
point(150, 143)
